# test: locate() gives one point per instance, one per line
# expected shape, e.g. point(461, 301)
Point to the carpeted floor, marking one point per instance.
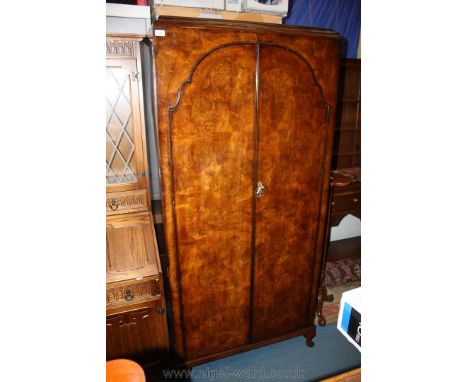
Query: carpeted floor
point(287, 360)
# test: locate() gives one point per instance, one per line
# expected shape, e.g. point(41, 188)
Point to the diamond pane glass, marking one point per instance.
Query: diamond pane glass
point(120, 148)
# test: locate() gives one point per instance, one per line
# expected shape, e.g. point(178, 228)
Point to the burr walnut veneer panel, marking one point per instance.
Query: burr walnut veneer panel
point(213, 207)
point(291, 156)
point(245, 127)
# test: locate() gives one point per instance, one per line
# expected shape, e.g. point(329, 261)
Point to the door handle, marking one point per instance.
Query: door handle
point(260, 190)
point(128, 294)
point(113, 204)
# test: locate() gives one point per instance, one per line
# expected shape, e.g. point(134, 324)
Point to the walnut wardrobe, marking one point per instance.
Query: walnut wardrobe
point(245, 128)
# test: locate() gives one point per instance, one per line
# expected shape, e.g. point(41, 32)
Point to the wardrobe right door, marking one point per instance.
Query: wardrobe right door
point(292, 124)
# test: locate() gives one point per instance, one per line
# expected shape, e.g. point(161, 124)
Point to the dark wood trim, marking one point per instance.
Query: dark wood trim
point(319, 214)
point(254, 185)
point(312, 71)
point(324, 209)
point(309, 331)
point(350, 62)
point(176, 239)
point(189, 79)
point(248, 26)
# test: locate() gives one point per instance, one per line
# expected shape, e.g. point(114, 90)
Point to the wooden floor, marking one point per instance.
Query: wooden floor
point(350, 376)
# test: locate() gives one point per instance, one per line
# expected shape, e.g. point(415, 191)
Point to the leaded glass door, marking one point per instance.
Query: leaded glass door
point(124, 151)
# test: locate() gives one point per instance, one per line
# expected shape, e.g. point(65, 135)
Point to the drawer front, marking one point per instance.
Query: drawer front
point(346, 201)
point(125, 202)
point(131, 292)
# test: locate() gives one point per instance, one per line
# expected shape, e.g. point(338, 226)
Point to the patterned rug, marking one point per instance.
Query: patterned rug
point(330, 309)
point(342, 272)
point(340, 276)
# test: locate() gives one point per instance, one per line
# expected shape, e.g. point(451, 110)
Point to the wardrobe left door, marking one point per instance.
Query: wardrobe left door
point(211, 132)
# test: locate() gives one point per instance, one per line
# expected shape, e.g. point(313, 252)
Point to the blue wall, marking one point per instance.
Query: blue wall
point(343, 16)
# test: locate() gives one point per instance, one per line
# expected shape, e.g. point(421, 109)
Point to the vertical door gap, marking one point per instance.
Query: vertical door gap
point(254, 187)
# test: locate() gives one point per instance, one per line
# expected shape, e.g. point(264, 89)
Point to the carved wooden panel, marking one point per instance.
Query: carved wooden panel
point(125, 293)
point(136, 332)
point(131, 247)
point(125, 202)
point(120, 48)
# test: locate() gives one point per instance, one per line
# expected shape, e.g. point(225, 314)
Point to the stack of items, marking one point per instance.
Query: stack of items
point(266, 11)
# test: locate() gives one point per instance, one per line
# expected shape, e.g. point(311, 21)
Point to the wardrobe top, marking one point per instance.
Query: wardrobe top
point(244, 26)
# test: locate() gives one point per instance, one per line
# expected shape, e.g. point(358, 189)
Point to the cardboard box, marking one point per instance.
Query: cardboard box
point(277, 7)
point(234, 5)
point(217, 14)
point(210, 4)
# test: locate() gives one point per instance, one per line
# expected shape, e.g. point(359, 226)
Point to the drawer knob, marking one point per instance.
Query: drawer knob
point(128, 294)
point(355, 200)
point(160, 311)
point(113, 205)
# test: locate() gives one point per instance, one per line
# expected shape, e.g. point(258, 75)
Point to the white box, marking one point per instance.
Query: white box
point(276, 6)
point(210, 4)
point(349, 317)
point(128, 11)
point(234, 5)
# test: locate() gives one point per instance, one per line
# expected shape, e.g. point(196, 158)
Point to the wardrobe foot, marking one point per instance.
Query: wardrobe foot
point(309, 338)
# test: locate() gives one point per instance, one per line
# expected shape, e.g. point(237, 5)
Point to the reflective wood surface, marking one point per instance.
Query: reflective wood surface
point(241, 104)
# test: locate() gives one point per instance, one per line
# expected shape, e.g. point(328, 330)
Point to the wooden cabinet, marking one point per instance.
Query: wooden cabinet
point(347, 146)
point(137, 331)
point(346, 162)
point(345, 192)
point(245, 126)
point(136, 315)
point(125, 138)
